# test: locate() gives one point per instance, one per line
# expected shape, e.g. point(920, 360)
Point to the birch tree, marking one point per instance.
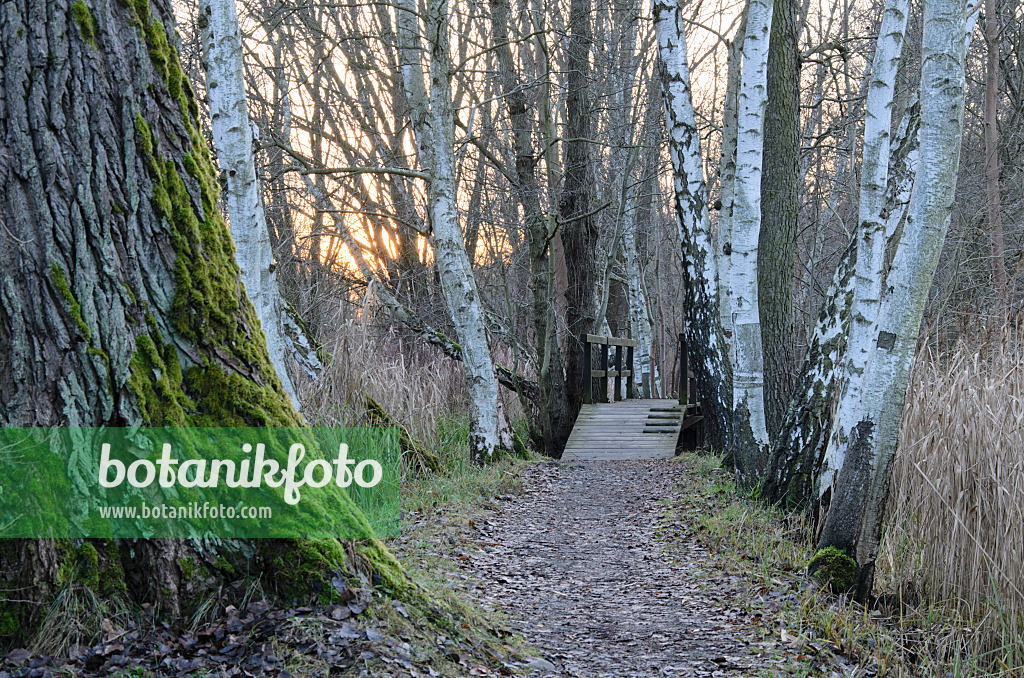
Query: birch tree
point(854, 521)
point(749, 427)
point(232, 134)
point(433, 121)
point(704, 332)
point(871, 234)
point(730, 115)
point(804, 464)
point(638, 317)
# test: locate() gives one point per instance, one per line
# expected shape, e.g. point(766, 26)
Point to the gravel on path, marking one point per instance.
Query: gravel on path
point(576, 564)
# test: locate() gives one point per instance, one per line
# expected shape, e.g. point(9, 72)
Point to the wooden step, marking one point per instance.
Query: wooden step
point(630, 429)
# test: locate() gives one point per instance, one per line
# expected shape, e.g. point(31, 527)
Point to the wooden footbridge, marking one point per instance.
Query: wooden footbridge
point(614, 423)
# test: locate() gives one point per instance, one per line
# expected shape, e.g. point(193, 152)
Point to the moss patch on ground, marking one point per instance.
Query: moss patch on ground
point(833, 567)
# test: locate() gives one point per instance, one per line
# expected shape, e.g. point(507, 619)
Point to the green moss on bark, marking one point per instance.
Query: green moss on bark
point(79, 565)
point(156, 382)
point(393, 576)
point(111, 575)
point(9, 624)
point(228, 399)
point(303, 568)
point(71, 305)
point(208, 307)
point(86, 22)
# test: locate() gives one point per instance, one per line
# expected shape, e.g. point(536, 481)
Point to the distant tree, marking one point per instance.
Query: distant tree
point(434, 123)
point(579, 226)
point(780, 211)
point(553, 418)
point(705, 337)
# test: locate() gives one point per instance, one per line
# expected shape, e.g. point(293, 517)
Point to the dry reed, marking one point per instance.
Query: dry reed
point(415, 384)
point(956, 518)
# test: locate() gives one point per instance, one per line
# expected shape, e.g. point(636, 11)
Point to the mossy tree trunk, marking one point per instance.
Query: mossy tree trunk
point(120, 300)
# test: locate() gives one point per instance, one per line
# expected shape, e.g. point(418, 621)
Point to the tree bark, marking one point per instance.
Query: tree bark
point(749, 428)
point(854, 521)
point(780, 211)
point(579, 228)
point(723, 250)
point(706, 341)
point(800, 473)
point(639, 320)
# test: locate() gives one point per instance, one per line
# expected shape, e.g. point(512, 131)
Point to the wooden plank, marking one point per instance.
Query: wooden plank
point(588, 377)
point(632, 429)
point(596, 339)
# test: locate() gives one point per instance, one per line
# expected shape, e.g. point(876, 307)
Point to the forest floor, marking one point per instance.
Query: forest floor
point(578, 564)
point(631, 568)
point(626, 568)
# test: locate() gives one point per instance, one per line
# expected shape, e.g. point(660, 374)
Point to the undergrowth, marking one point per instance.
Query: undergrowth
point(815, 632)
point(953, 544)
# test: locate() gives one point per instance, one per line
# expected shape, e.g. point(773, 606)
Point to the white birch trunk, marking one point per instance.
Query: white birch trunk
point(433, 122)
point(723, 248)
point(871, 232)
point(884, 207)
point(750, 431)
point(855, 520)
point(232, 136)
point(709, 350)
point(639, 321)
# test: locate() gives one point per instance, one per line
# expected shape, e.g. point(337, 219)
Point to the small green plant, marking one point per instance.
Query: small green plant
point(834, 567)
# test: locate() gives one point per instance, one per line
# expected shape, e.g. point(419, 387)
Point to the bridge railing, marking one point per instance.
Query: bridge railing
point(609, 367)
point(687, 384)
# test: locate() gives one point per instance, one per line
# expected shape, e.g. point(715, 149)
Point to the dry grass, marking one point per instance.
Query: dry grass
point(415, 384)
point(956, 526)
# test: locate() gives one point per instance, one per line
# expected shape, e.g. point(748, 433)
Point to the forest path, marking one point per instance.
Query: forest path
point(577, 566)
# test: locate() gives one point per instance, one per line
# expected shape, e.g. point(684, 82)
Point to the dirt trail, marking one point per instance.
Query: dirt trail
point(575, 563)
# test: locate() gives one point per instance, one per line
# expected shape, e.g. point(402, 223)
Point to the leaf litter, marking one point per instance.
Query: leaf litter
point(593, 570)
